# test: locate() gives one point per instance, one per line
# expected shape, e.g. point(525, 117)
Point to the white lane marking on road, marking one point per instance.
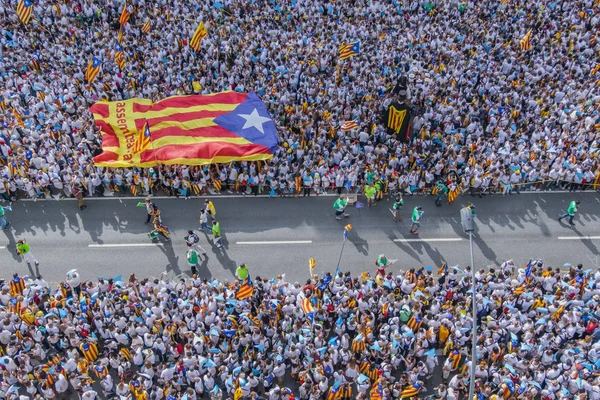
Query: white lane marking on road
point(278, 242)
point(100, 246)
point(578, 237)
point(2, 247)
point(429, 240)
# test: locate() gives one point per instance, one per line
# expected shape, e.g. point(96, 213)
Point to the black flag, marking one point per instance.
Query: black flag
point(397, 120)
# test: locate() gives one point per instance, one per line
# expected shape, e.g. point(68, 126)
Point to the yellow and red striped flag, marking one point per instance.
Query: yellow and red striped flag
point(410, 391)
point(192, 130)
point(312, 263)
point(349, 50)
point(146, 27)
point(119, 56)
point(18, 117)
point(36, 64)
point(595, 70)
point(246, 289)
point(200, 34)
point(125, 15)
point(120, 36)
point(93, 69)
point(349, 125)
point(24, 11)
point(525, 42)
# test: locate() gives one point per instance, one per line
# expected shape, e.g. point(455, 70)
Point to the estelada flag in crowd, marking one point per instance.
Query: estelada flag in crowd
point(350, 49)
point(93, 70)
point(525, 42)
point(192, 130)
point(397, 120)
point(200, 34)
point(24, 11)
point(246, 289)
point(125, 15)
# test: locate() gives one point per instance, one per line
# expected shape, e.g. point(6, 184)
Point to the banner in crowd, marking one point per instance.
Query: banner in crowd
point(193, 130)
point(397, 120)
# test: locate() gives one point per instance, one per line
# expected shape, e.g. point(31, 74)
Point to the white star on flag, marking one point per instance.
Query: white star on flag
point(254, 120)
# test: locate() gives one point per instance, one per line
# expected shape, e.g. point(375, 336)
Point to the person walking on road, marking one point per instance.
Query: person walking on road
point(193, 259)
point(416, 220)
point(241, 273)
point(3, 222)
point(216, 231)
point(397, 208)
point(192, 240)
point(204, 220)
point(78, 194)
point(210, 209)
point(571, 211)
point(151, 209)
point(24, 250)
point(159, 228)
point(340, 207)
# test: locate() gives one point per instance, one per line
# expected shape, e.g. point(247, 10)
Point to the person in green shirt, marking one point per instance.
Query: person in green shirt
point(370, 193)
point(340, 207)
point(573, 208)
point(442, 193)
point(397, 207)
point(3, 222)
point(416, 220)
point(193, 259)
point(216, 231)
point(241, 272)
point(24, 250)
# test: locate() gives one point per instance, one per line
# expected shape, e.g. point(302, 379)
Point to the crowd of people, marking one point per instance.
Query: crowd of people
point(486, 114)
point(388, 334)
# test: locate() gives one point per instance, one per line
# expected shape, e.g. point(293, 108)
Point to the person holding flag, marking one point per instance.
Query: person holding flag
point(416, 220)
point(340, 207)
point(24, 250)
point(382, 263)
point(397, 208)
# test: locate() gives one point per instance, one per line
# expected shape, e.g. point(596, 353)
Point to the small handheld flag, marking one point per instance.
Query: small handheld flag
point(312, 263)
point(347, 229)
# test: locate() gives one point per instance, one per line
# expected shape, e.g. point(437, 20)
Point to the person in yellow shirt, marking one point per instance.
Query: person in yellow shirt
point(210, 209)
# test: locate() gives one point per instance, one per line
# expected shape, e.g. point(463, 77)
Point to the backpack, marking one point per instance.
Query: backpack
point(195, 238)
point(154, 207)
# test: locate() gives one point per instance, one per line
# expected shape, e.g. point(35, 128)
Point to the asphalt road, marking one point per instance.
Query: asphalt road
point(275, 236)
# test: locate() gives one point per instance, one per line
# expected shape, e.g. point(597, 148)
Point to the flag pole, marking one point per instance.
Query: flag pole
point(347, 229)
point(151, 144)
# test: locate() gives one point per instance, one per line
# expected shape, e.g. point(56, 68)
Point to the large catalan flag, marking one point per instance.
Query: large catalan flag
point(200, 34)
point(93, 69)
point(192, 130)
point(125, 15)
point(349, 50)
point(246, 289)
point(24, 11)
